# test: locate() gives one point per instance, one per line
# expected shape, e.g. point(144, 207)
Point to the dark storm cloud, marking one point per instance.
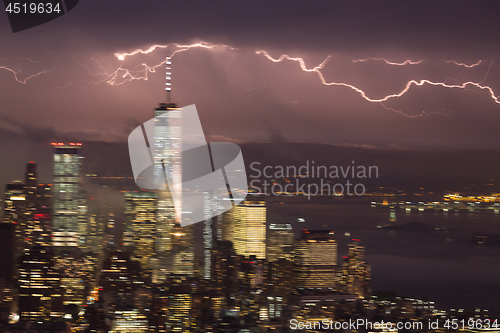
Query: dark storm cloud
point(421, 27)
point(20, 143)
point(245, 97)
point(13, 131)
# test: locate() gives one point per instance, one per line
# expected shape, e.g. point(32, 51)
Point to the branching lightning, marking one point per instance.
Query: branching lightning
point(299, 60)
point(121, 74)
point(410, 83)
point(23, 81)
point(181, 48)
point(17, 71)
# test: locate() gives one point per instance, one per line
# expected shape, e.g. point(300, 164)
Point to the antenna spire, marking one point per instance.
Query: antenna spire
point(168, 88)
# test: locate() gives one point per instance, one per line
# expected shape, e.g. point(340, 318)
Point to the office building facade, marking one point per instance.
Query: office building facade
point(250, 227)
point(280, 242)
point(316, 259)
point(66, 191)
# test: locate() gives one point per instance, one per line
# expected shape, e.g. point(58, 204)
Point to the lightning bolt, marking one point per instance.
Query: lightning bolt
point(488, 71)
point(181, 48)
point(421, 114)
point(121, 74)
point(23, 81)
point(16, 71)
point(299, 60)
point(363, 94)
point(462, 64)
point(406, 62)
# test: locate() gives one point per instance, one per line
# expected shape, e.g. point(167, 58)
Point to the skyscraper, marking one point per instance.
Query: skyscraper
point(119, 278)
point(26, 207)
point(130, 321)
point(182, 253)
point(356, 273)
point(208, 241)
point(279, 243)
point(15, 213)
point(211, 230)
point(174, 241)
point(99, 218)
point(7, 263)
point(7, 248)
point(250, 227)
point(30, 181)
point(316, 257)
point(225, 226)
point(32, 226)
point(40, 291)
point(83, 220)
point(224, 269)
point(179, 306)
point(66, 191)
point(42, 215)
point(167, 162)
point(140, 225)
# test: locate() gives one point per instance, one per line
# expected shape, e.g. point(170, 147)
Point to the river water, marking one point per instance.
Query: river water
point(443, 265)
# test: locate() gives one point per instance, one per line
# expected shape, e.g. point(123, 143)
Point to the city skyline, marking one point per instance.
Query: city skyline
point(48, 287)
point(138, 243)
point(368, 134)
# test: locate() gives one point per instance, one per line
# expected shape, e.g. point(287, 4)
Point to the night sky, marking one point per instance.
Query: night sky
point(62, 82)
point(243, 96)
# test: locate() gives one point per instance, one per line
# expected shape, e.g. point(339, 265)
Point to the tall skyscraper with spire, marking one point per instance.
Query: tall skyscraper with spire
point(168, 164)
point(167, 161)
